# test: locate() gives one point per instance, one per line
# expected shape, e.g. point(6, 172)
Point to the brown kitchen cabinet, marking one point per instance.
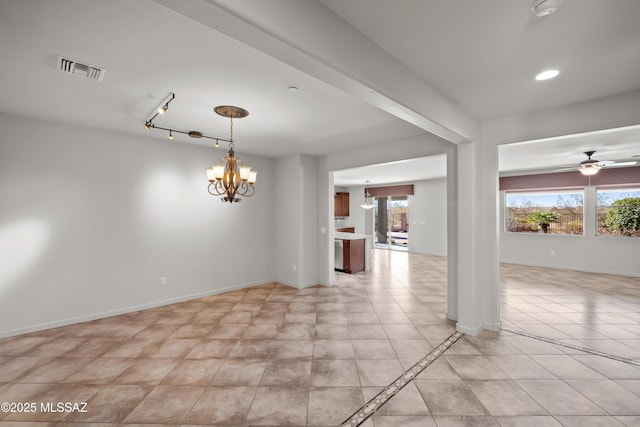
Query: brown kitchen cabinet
point(346, 230)
point(341, 204)
point(353, 256)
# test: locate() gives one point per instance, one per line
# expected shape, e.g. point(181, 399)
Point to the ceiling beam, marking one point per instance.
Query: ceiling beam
point(308, 36)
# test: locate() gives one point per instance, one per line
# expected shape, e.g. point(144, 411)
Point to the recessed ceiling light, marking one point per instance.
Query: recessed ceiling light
point(293, 88)
point(547, 74)
point(544, 7)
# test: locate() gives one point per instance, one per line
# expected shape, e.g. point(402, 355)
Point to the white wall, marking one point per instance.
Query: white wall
point(309, 235)
point(428, 228)
point(297, 220)
point(288, 218)
point(90, 220)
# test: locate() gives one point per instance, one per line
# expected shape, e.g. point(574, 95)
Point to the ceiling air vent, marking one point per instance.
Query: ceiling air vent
point(70, 66)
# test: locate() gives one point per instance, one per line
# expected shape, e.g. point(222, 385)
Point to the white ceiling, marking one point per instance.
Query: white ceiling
point(481, 55)
point(485, 54)
point(393, 172)
point(149, 51)
point(549, 155)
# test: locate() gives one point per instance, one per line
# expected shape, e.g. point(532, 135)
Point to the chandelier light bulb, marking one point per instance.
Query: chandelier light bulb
point(245, 172)
point(218, 171)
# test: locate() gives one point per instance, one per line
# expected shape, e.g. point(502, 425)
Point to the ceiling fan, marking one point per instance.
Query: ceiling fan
point(592, 166)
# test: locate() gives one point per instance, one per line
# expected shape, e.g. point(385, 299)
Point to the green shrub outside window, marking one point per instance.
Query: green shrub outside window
point(619, 212)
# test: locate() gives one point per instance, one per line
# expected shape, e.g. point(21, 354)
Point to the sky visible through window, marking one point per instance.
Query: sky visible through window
point(606, 197)
point(517, 200)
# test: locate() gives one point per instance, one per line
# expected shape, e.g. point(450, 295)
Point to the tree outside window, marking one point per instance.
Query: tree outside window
point(619, 212)
point(546, 212)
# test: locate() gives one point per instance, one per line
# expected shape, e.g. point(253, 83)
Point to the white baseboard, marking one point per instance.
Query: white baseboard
point(572, 268)
point(473, 331)
point(124, 310)
point(493, 326)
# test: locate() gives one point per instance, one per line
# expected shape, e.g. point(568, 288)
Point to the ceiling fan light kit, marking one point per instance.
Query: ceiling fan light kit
point(590, 166)
point(589, 170)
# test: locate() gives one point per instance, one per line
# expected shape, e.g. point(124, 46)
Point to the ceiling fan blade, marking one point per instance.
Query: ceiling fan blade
point(619, 164)
point(566, 169)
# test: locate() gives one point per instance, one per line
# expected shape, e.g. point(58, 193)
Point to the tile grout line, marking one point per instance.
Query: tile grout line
point(574, 347)
point(370, 407)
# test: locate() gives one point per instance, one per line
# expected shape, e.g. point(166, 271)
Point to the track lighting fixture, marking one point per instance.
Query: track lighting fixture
point(229, 179)
point(164, 105)
point(161, 109)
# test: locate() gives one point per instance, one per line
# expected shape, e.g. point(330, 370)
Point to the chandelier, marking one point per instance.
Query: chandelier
point(368, 203)
point(229, 179)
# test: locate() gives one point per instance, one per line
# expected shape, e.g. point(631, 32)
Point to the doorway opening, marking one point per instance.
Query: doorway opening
point(391, 223)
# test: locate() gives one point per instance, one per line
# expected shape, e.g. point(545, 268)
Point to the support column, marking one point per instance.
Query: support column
point(452, 236)
point(590, 203)
point(477, 239)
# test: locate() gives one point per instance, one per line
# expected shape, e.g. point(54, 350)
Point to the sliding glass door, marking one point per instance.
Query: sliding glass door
point(391, 222)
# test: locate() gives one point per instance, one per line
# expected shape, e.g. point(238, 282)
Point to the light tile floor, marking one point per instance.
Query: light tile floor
point(277, 356)
point(596, 311)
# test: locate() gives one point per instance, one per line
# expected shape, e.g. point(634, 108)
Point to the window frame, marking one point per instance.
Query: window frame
point(620, 188)
point(551, 192)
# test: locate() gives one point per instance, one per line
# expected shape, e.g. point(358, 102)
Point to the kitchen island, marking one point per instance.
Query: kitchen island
point(352, 252)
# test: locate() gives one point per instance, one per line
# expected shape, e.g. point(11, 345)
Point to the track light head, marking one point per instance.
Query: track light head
point(147, 125)
point(164, 108)
point(170, 134)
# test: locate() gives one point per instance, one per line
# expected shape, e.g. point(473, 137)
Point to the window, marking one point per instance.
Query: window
point(551, 212)
point(619, 212)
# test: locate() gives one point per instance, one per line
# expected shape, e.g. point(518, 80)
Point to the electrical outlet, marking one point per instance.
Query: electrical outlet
point(163, 280)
